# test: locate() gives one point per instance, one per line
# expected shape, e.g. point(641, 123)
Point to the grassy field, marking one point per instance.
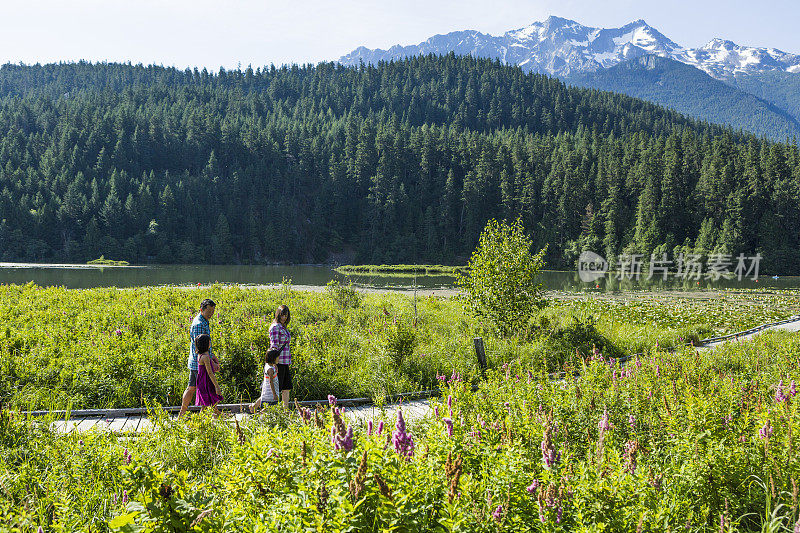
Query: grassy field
point(122, 348)
point(673, 442)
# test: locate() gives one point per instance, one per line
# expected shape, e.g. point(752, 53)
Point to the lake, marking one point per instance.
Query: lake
point(85, 276)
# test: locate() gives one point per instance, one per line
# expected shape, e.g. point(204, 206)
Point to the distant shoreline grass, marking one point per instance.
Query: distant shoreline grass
point(423, 270)
point(107, 262)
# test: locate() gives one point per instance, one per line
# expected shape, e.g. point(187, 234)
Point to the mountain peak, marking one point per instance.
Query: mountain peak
point(554, 20)
point(562, 47)
point(719, 44)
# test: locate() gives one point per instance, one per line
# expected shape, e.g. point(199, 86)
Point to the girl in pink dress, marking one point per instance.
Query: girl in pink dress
point(209, 393)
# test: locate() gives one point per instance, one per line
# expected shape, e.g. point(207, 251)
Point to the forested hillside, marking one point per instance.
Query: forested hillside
point(691, 91)
point(402, 162)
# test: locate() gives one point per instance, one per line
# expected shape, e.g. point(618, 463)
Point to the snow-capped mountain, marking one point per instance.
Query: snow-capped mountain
point(722, 58)
point(562, 47)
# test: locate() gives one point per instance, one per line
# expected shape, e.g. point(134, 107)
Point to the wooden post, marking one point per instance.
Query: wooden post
point(481, 353)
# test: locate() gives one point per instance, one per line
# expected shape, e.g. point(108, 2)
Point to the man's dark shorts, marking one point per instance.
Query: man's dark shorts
point(284, 377)
point(192, 378)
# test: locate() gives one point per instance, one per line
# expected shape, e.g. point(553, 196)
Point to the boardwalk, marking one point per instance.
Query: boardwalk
point(357, 411)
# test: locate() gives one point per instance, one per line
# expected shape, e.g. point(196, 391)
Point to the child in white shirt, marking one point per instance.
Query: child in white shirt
point(269, 385)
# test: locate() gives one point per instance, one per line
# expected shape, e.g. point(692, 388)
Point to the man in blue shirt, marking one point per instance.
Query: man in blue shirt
point(200, 325)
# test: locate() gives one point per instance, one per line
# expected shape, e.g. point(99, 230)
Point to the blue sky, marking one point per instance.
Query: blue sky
point(231, 32)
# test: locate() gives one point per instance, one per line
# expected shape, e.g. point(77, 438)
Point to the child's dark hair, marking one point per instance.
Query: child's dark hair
point(202, 342)
point(272, 356)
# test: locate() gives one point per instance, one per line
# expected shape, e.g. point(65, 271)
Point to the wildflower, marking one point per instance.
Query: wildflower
point(533, 486)
point(347, 443)
point(357, 485)
point(780, 397)
point(380, 428)
point(766, 431)
point(341, 438)
point(448, 422)
point(638, 363)
point(604, 424)
point(475, 434)
point(450, 402)
point(453, 470)
point(792, 389)
point(369, 427)
point(550, 456)
point(436, 411)
point(658, 371)
point(304, 412)
point(403, 442)
point(118, 332)
point(124, 497)
point(507, 405)
point(631, 449)
point(331, 400)
point(632, 421)
point(498, 513)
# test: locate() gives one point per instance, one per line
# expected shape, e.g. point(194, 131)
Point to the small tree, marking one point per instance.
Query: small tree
point(500, 285)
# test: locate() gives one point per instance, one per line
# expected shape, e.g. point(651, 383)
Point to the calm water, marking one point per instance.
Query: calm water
point(79, 276)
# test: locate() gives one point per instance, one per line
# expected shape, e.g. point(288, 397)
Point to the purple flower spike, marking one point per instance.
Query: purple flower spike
point(498, 513)
point(632, 421)
point(550, 455)
point(380, 428)
point(448, 422)
point(604, 424)
point(403, 442)
point(792, 389)
point(450, 402)
point(369, 427)
point(780, 397)
point(331, 400)
point(533, 486)
point(766, 431)
point(124, 497)
point(436, 411)
point(347, 442)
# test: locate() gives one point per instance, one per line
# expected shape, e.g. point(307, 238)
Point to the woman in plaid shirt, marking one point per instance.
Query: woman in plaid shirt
point(279, 339)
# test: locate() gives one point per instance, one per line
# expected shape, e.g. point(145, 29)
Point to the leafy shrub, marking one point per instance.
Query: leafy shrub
point(500, 285)
point(344, 296)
